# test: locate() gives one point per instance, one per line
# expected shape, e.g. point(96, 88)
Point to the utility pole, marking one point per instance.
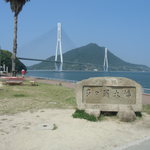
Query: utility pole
point(58, 47)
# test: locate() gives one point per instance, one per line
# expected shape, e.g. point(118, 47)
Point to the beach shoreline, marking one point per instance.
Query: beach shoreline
point(23, 130)
point(69, 84)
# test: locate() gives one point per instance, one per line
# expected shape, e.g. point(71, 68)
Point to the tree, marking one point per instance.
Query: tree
point(16, 7)
point(6, 59)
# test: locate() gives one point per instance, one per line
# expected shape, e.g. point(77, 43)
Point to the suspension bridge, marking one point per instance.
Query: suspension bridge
point(58, 50)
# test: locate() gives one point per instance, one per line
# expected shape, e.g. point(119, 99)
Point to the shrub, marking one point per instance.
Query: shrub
point(83, 115)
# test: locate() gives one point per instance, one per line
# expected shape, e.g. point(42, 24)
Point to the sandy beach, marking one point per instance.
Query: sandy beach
point(23, 132)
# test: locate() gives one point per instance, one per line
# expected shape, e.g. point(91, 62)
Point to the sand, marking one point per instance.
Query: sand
point(23, 131)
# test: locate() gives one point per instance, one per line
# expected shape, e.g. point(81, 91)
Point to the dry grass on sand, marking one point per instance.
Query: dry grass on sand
point(24, 108)
point(18, 98)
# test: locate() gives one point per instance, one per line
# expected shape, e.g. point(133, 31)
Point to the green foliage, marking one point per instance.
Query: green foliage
point(5, 57)
point(91, 57)
point(138, 114)
point(103, 116)
point(83, 115)
point(146, 108)
point(16, 5)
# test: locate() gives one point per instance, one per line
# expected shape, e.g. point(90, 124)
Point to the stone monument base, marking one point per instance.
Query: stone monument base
point(126, 114)
point(109, 94)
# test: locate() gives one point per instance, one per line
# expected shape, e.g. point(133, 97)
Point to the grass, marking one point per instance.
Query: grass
point(146, 108)
point(83, 115)
point(18, 98)
point(19, 95)
point(103, 116)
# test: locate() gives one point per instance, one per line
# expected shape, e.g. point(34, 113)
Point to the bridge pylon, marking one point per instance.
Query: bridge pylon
point(105, 61)
point(59, 66)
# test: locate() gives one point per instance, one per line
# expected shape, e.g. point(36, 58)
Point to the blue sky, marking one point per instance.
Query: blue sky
point(123, 26)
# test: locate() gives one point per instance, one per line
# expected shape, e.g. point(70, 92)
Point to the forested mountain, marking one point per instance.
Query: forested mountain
point(90, 57)
point(5, 58)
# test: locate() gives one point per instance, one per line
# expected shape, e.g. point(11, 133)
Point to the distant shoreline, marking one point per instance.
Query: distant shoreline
point(89, 71)
point(54, 79)
point(65, 83)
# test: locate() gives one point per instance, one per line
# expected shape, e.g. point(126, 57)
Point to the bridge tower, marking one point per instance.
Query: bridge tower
point(105, 61)
point(58, 66)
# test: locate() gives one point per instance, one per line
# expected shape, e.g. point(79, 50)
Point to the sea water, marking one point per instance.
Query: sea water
point(142, 78)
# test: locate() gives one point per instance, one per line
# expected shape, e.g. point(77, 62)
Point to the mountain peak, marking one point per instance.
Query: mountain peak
point(92, 45)
point(91, 57)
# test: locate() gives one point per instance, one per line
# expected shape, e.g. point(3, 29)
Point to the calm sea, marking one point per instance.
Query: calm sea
point(141, 77)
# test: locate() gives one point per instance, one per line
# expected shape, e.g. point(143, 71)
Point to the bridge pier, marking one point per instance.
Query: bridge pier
point(59, 67)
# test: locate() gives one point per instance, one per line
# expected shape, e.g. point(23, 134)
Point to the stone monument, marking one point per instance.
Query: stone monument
point(110, 94)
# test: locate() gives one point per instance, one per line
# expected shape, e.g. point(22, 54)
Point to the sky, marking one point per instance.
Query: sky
point(123, 26)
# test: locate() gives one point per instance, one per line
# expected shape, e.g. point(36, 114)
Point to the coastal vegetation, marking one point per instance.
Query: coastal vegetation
point(5, 58)
point(83, 115)
point(90, 58)
point(20, 98)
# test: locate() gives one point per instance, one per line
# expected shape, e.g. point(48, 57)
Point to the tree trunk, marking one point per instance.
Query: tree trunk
point(14, 46)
